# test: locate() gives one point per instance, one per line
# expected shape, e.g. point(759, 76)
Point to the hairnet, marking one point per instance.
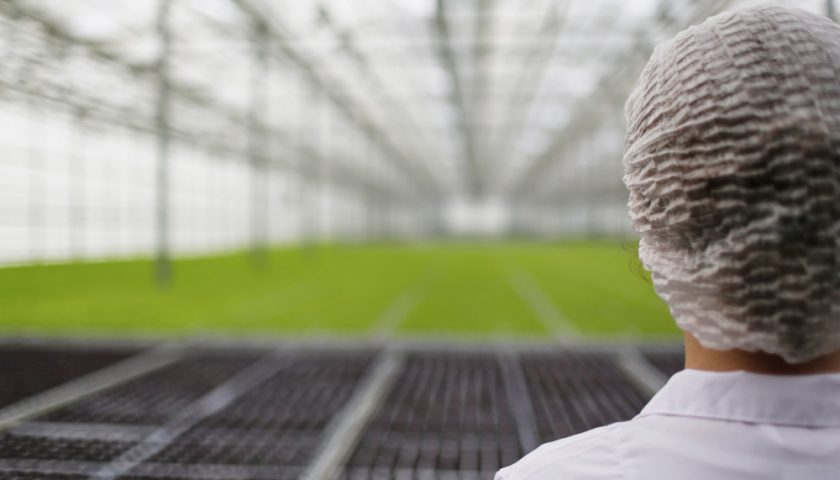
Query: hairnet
point(731, 160)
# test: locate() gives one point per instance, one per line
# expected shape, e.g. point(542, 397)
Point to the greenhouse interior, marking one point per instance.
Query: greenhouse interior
point(321, 239)
point(192, 126)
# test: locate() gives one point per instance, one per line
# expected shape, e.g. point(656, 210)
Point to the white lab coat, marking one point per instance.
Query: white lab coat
point(708, 426)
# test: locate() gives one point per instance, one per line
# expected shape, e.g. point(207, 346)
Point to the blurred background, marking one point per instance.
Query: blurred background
point(335, 239)
point(422, 167)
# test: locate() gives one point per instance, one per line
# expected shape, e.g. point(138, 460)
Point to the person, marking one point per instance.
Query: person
point(732, 161)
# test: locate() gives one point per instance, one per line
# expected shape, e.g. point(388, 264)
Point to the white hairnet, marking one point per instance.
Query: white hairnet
point(732, 159)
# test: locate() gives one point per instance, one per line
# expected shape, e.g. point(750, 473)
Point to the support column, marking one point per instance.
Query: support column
point(163, 264)
point(317, 197)
point(36, 168)
point(77, 194)
point(301, 126)
point(326, 151)
point(257, 148)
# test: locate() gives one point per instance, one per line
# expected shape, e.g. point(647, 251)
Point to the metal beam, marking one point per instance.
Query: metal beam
point(586, 121)
point(344, 432)
point(482, 51)
point(86, 385)
point(216, 142)
point(610, 82)
point(378, 88)
point(527, 86)
point(471, 172)
point(419, 178)
point(163, 264)
point(257, 144)
point(519, 400)
point(352, 178)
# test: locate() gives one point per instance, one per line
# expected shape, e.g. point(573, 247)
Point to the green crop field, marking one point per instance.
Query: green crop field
point(511, 291)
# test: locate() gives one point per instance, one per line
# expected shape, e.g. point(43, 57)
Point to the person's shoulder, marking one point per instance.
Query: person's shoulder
point(588, 455)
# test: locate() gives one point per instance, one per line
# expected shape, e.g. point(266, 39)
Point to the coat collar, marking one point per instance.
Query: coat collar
point(800, 400)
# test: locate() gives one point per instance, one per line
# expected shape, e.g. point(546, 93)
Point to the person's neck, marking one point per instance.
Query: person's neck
point(698, 357)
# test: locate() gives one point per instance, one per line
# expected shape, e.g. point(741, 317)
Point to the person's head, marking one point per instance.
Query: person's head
point(732, 160)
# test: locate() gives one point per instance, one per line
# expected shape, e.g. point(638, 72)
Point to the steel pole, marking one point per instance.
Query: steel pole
point(163, 263)
point(256, 149)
